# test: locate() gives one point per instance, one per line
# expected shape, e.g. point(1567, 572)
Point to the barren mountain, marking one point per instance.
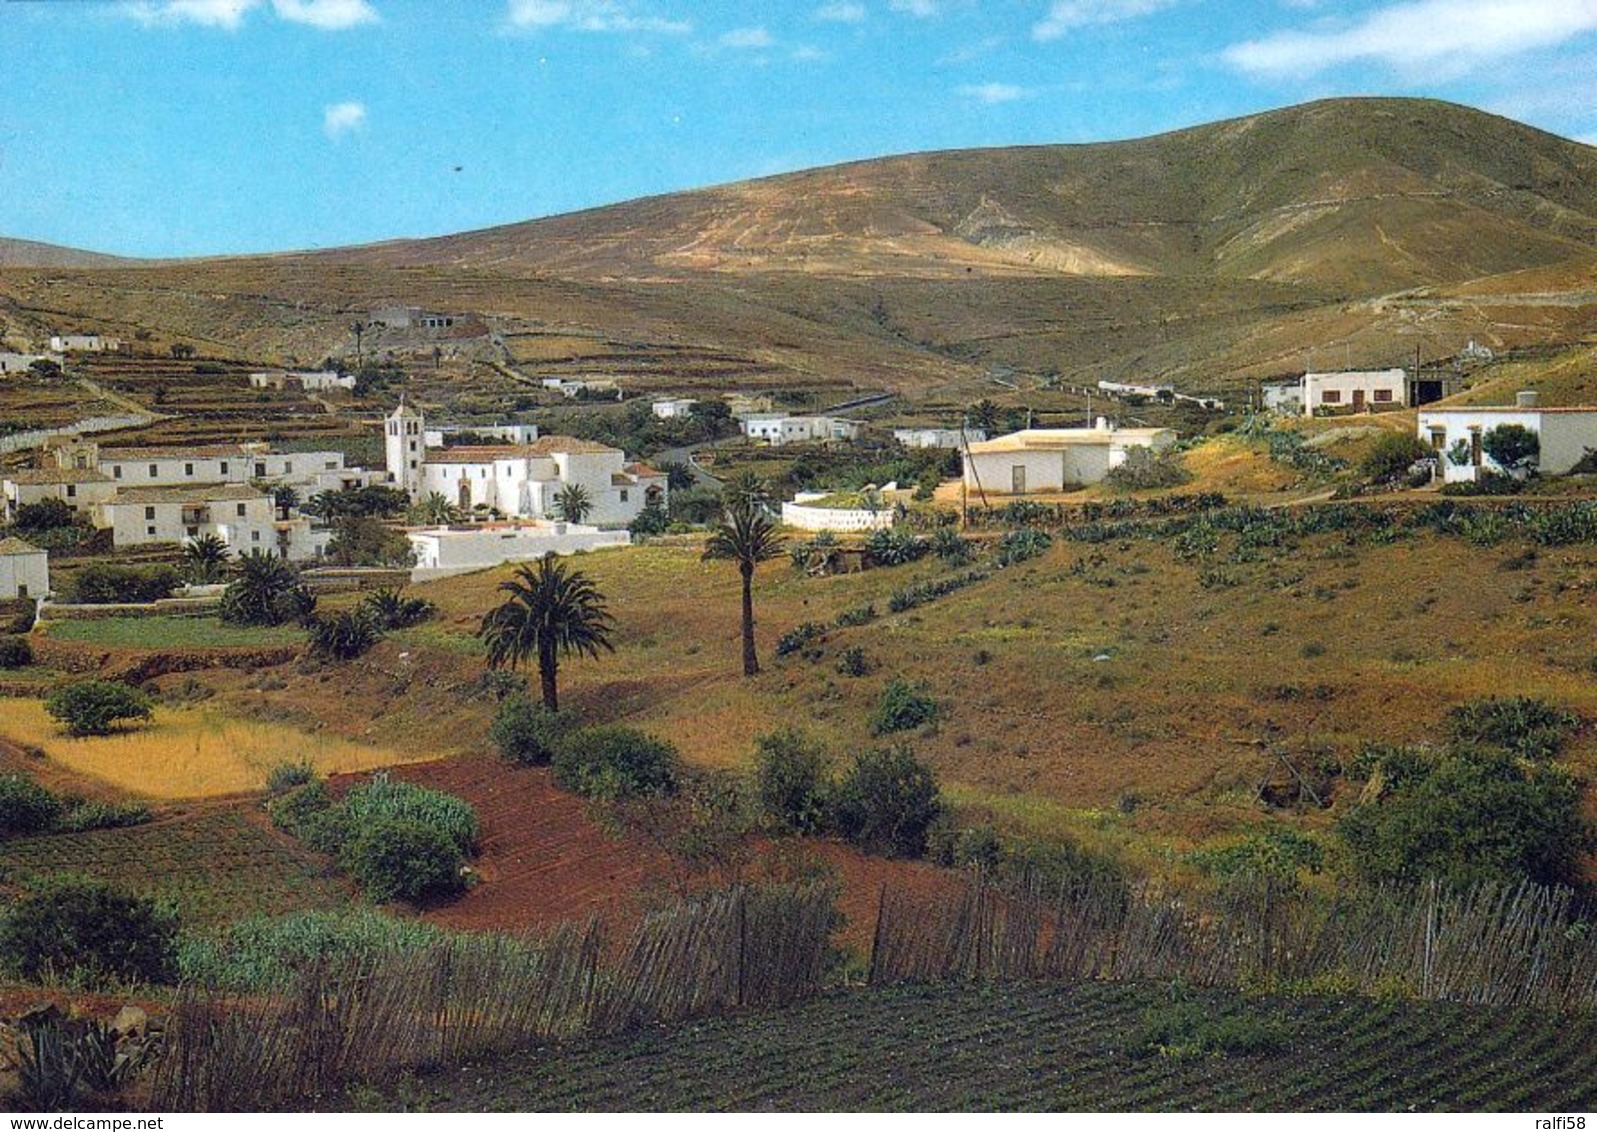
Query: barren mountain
point(1206, 256)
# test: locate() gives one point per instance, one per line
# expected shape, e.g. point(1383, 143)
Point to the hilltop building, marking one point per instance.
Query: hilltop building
point(520, 481)
point(1055, 459)
point(84, 344)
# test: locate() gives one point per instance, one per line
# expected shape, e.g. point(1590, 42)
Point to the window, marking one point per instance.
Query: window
point(224, 467)
point(116, 471)
point(72, 491)
point(241, 510)
point(154, 471)
point(1381, 395)
point(22, 589)
point(188, 469)
point(623, 495)
point(149, 512)
point(260, 469)
point(288, 467)
point(1331, 396)
point(1438, 438)
point(255, 536)
point(150, 531)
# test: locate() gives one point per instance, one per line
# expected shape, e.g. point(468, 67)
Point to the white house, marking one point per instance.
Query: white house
point(79, 488)
point(1358, 390)
point(1284, 397)
point(1457, 436)
point(311, 381)
point(938, 437)
point(241, 516)
point(1053, 459)
point(442, 551)
point(571, 387)
point(673, 408)
point(24, 570)
point(779, 428)
point(221, 463)
point(521, 481)
point(21, 363)
point(437, 436)
point(84, 343)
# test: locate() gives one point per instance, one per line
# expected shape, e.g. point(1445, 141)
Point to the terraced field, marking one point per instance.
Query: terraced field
point(1084, 1047)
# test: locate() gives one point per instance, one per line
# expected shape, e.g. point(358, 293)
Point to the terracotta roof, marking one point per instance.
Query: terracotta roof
point(188, 493)
point(10, 546)
point(643, 471)
point(57, 475)
point(488, 453)
point(196, 452)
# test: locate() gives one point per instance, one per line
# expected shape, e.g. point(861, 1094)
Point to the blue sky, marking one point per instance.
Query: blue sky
point(190, 127)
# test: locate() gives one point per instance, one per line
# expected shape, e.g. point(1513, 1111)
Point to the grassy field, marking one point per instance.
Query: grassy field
point(1092, 1047)
point(173, 633)
point(192, 752)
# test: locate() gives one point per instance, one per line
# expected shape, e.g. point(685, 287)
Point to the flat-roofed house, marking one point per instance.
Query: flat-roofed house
point(1457, 436)
point(241, 516)
point(1055, 459)
point(79, 488)
point(24, 570)
point(1356, 390)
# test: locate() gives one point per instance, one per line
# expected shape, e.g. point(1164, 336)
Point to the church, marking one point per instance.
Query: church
point(519, 481)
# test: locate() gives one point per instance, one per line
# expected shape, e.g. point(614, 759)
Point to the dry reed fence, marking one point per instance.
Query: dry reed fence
point(1500, 945)
point(371, 1018)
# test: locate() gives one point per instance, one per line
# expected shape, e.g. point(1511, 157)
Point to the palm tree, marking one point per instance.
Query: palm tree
point(204, 558)
point(573, 503)
point(552, 611)
point(748, 537)
point(434, 509)
point(267, 592)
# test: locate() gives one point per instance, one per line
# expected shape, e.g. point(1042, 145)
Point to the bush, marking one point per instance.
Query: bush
point(87, 931)
point(1147, 470)
point(853, 662)
point(1512, 447)
point(15, 652)
point(615, 762)
point(792, 782)
point(795, 639)
point(886, 803)
point(1472, 815)
point(102, 815)
point(903, 707)
point(45, 515)
point(396, 858)
point(1018, 546)
point(104, 583)
point(344, 635)
point(390, 610)
point(383, 799)
point(26, 807)
point(652, 520)
point(526, 732)
point(1530, 728)
point(1392, 456)
point(93, 707)
point(286, 776)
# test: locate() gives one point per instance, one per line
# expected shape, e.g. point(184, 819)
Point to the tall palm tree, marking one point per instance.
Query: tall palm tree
point(552, 611)
point(573, 503)
point(748, 537)
point(204, 558)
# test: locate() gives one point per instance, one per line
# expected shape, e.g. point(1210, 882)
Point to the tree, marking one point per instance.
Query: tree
point(1393, 455)
point(85, 929)
point(1512, 447)
point(573, 503)
point(45, 515)
point(285, 498)
point(887, 801)
point(364, 541)
point(748, 537)
point(551, 611)
point(45, 368)
point(983, 415)
point(94, 707)
point(434, 509)
point(267, 592)
point(792, 782)
point(204, 559)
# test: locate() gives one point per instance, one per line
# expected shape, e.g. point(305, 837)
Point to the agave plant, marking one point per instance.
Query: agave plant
point(345, 635)
point(390, 609)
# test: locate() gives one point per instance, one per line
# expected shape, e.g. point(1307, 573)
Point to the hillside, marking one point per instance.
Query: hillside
point(1211, 257)
point(29, 253)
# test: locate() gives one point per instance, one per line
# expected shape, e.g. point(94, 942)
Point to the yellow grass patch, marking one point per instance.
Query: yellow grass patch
point(190, 752)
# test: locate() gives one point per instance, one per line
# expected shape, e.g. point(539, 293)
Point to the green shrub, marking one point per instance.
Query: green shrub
point(33, 519)
point(390, 610)
point(615, 762)
point(309, 813)
point(15, 652)
point(26, 807)
point(262, 953)
point(887, 802)
point(1512, 447)
point(903, 707)
point(1147, 470)
point(344, 635)
point(396, 858)
point(797, 638)
point(94, 707)
point(853, 662)
point(286, 776)
point(102, 815)
point(526, 732)
point(382, 799)
point(87, 931)
point(1530, 728)
point(104, 583)
point(1018, 546)
point(1187, 1028)
point(792, 782)
point(1393, 455)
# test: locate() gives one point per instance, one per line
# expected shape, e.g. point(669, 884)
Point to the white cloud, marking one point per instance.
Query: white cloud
point(590, 15)
point(1065, 16)
point(1450, 34)
point(747, 38)
point(991, 94)
point(924, 9)
point(808, 54)
point(342, 118)
point(228, 14)
point(841, 13)
point(328, 15)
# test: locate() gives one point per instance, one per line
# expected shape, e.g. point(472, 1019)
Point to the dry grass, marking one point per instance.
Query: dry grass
point(190, 752)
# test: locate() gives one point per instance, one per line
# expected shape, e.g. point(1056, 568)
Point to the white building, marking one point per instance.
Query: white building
point(437, 436)
point(1457, 436)
point(938, 437)
point(83, 343)
point(571, 387)
point(223, 463)
point(79, 488)
point(22, 363)
point(521, 481)
point(442, 551)
point(674, 408)
point(311, 381)
point(1053, 459)
point(1358, 390)
point(24, 570)
point(779, 428)
point(244, 518)
point(1284, 397)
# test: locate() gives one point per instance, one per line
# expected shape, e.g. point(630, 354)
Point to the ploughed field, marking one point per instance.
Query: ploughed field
point(1042, 1046)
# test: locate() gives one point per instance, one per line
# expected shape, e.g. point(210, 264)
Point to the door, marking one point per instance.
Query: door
point(1358, 400)
point(1017, 477)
